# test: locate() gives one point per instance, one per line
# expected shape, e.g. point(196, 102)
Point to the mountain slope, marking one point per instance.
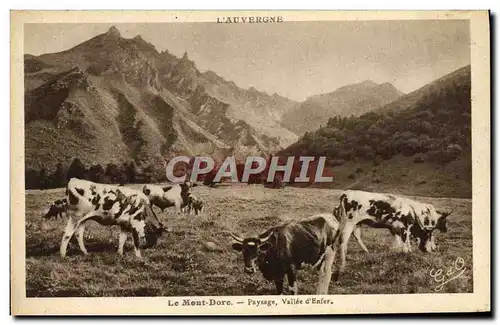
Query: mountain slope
point(355, 100)
point(459, 78)
point(112, 99)
point(428, 130)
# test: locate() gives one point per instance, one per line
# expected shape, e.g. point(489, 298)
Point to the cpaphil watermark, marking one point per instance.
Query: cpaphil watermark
point(305, 169)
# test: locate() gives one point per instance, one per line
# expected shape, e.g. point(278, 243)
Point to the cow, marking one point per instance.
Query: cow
point(281, 250)
point(56, 209)
point(194, 205)
point(110, 205)
point(168, 196)
point(402, 216)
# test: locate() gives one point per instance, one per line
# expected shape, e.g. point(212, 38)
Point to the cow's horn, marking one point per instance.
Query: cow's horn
point(266, 238)
point(447, 212)
point(235, 237)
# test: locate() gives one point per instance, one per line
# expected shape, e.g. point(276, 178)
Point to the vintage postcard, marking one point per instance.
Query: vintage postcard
point(250, 162)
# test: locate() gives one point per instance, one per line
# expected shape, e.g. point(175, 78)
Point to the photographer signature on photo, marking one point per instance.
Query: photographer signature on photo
point(452, 272)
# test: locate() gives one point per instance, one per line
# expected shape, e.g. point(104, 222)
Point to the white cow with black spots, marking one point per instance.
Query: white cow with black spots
point(163, 197)
point(110, 205)
point(402, 216)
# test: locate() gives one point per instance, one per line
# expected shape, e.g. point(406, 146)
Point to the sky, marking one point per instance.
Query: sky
point(294, 59)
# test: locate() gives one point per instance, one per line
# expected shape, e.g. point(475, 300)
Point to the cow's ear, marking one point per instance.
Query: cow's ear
point(265, 246)
point(237, 246)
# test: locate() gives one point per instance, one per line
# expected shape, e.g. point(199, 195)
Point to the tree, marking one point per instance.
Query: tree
point(76, 169)
point(114, 174)
point(96, 173)
point(43, 179)
point(31, 179)
point(58, 177)
point(130, 171)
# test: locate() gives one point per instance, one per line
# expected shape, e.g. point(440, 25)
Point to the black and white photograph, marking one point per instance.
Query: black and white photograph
point(228, 161)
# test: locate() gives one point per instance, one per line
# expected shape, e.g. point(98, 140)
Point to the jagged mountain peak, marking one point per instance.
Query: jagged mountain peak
point(145, 103)
point(113, 31)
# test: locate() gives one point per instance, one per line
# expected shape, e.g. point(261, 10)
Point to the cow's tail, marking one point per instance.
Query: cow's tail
point(342, 217)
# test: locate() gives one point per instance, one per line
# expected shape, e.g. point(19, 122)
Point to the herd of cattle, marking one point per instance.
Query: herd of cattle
point(279, 251)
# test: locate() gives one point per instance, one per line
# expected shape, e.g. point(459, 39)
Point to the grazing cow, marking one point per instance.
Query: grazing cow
point(167, 196)
point(282, 249)
point(402, 216)
point(110, 205)
point(56, 209)
point(194, 204)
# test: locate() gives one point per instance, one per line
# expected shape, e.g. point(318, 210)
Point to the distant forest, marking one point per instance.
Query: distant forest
point(110, 174)
point(129, 173)
point(436, 129)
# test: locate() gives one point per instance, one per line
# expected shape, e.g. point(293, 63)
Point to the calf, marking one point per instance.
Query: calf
point(110, 205)
point(194, 204)
point(402, 216)
point(167, 196)
point(282, 249)
point(56, 209)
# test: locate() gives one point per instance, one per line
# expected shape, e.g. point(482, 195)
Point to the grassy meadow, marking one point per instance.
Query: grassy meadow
point(182, 264)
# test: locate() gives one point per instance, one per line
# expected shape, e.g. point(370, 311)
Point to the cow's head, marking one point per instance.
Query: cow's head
point(152, 191)
point(153, 227)
point(423, 238)
point(441, 221)
point(252, 248)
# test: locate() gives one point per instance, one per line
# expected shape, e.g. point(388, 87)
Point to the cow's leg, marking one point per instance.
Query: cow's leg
point(325, 271)
point(398, 242)
point(135, 236)
point(292, 280)
point(433, 243)
point(345, 234)
point(335, 247)
point(68, 233)
point(121, 240)
point(178, 208)
point(278, 281)
point(79, 235)
point(407, 241)
point(357, 235)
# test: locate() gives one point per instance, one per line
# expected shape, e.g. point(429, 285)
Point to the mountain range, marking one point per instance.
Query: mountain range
point(354, 100)
point(113, 99)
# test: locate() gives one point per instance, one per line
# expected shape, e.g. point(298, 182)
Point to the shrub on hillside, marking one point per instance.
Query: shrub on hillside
point(419, 159)
point(276, 183)
point(377, 160)
point(438, 124)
